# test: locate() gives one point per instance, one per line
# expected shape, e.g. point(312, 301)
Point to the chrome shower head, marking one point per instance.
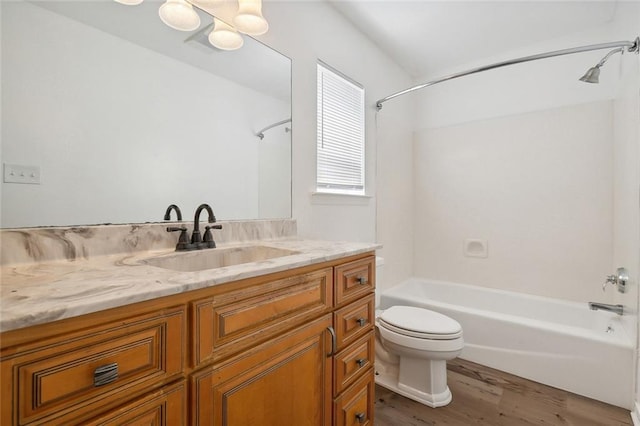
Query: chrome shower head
point(592, 75)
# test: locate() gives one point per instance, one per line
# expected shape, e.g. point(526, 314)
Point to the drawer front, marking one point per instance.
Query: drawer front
point(234, 321)
point(353, 361)
point(166, 407)
point(75, 377)
point(354, 320)
point(355, 279)
point(355, 406)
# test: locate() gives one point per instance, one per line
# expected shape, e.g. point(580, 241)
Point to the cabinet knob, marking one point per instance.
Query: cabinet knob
point(361, 362)
point(105, 374)
point(361, 321)
point(362, 280)
point(360, 417)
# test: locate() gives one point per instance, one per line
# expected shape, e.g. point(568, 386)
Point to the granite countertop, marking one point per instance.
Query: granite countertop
point(37, 293)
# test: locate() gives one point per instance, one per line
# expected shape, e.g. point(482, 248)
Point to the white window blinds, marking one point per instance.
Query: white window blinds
point(340, 165)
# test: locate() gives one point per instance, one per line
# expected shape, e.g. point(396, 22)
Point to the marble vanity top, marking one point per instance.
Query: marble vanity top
point(45, 291)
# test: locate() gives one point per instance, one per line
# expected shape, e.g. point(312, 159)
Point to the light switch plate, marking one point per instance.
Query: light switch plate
point(16, 173)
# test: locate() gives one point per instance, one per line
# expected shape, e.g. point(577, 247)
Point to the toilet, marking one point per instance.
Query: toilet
point(413, 346)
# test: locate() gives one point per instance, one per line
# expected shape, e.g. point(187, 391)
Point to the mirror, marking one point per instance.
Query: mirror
point(119, 116)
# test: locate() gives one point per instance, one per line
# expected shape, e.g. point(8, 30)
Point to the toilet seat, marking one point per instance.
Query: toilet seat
point(420, 323)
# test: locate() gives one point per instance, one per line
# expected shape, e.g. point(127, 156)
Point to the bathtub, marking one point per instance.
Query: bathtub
point(559, 343)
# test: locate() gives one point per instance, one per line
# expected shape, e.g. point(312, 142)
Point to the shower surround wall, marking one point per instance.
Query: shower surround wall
point(538, 187)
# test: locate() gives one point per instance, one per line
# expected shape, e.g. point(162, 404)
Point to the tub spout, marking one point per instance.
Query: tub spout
point(618, 309)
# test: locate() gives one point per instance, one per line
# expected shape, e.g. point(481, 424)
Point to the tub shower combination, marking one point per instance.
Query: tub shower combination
point(559, 343)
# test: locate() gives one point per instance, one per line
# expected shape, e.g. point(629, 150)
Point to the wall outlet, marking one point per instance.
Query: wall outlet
point(16, 173)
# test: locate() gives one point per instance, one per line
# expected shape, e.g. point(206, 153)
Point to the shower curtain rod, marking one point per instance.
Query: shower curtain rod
point(260, 134)
point(631, 45)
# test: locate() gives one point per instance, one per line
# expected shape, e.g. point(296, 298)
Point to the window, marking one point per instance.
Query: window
point(340, 166)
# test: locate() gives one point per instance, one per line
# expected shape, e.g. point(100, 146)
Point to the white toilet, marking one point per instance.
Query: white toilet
point(412, 349)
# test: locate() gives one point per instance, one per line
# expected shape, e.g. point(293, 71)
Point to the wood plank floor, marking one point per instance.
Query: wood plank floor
point(484, 396)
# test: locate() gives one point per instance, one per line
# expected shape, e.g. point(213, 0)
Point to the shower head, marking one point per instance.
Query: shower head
point(593, 74)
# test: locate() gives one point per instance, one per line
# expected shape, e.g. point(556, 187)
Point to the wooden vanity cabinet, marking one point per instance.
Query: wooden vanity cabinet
point(293, 347)
point(312, 350)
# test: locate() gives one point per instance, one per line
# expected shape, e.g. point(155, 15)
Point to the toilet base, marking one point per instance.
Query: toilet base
point(387, 376)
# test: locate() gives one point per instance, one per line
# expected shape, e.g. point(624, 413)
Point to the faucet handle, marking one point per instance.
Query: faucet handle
point(183, 240)
point(619, 279)
point(207, 239)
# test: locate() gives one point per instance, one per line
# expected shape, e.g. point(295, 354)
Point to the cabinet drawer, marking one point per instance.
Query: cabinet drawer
point(354, 320)
point(233, 321)
point(355, 406)
point(165, 407)
point(353, 361)
point(61, 381)
point(355, 279)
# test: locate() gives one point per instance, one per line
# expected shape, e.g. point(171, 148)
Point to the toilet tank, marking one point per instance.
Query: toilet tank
point(379, 277)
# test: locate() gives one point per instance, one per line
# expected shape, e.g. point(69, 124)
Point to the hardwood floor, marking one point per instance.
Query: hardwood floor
point(484, 396)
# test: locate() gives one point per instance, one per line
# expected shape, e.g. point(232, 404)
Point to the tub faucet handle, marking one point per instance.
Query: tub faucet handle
point(618, 279)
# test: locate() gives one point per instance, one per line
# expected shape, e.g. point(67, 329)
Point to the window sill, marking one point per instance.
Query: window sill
point(336, 198)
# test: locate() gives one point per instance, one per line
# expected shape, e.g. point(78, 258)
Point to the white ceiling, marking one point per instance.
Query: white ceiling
point(426, 37)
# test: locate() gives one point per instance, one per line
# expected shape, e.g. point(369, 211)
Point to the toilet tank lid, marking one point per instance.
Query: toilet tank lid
point(420, 320)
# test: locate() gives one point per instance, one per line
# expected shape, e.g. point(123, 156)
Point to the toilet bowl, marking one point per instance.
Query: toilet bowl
point(412, 349)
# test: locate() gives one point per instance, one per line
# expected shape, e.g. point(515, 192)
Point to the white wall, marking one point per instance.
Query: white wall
point(61, 114)
point(310, 31)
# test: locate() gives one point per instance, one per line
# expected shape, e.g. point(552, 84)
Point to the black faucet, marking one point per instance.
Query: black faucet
point(196, 239)
point(167, 214)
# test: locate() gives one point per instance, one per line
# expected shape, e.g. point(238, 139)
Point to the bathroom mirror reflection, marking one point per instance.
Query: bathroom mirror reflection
point(121, 116)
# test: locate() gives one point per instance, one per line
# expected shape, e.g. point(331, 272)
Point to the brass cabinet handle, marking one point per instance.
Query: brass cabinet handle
point(362, 280)
point(105, 374)
point(361, 362)
point(334, 341)
point(360, 417)
point(361, 321)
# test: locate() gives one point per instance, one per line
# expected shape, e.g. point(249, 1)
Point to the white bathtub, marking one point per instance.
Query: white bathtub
point(555, 342)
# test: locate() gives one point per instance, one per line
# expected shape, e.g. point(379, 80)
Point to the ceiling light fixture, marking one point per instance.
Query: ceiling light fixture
point(129, 2)
point(179, 15)
point(224, 36)
point(249, 19)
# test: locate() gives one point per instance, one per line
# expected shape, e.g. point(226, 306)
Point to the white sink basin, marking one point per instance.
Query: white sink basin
point(201, 260)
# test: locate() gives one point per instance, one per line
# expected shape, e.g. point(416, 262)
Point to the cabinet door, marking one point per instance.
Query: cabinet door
point(282, 381)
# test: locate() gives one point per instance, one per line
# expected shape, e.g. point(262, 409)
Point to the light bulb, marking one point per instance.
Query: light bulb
point(249, 19)
point(129, 2)
point(179, 15)
point(224, 36)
